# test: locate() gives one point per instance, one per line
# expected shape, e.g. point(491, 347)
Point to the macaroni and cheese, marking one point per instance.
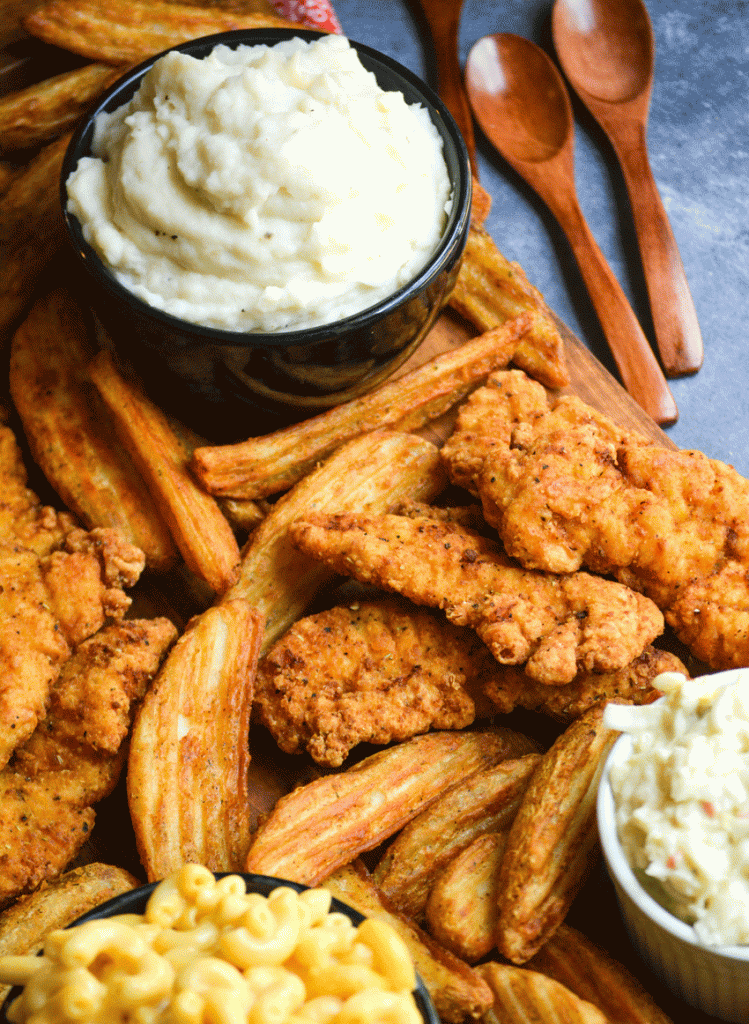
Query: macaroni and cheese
point(207, 952)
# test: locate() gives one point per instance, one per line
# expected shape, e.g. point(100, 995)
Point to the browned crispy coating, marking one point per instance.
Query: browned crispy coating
point(75, 755)
point(566, 488)
point(633, 684)
point(370, 672)
point(23, 518)
point(85, 580)
point(32, 647)
point(58, 585)
point(556, 625)
point(382, 670)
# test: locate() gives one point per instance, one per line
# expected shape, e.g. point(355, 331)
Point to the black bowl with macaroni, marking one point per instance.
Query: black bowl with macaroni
point(135, 902)
point(217, 377)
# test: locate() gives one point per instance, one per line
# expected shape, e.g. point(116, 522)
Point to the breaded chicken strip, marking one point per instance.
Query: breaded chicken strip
point(23, 518)
point(566, 488)
point(48, 606)
point(372, 672)
point(555, 625)
point(75, 756)
point(384, 670)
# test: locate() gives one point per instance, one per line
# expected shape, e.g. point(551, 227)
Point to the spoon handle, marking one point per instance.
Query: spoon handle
point(443, 19)
point(677, 330)
point(639, 369)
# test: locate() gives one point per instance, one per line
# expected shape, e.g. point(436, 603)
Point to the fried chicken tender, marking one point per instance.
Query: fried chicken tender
point(566, 488)
point(23, 518)
point(371, 672)
point(32, 647)
point(384, 670)
point(58, 585)
point(555, 625)
point(75, 756)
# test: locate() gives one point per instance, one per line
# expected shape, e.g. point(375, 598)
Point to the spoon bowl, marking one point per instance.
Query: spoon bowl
point(520, 101)
point(609, 48)
point(607, 51)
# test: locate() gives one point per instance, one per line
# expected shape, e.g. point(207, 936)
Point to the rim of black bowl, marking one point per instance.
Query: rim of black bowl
point(134, 902)
point(415, 91)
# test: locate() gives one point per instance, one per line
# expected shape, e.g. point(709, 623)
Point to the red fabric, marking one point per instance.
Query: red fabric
point(313, 13)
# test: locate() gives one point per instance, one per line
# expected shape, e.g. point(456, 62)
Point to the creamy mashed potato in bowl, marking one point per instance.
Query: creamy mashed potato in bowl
point(270, 217)
point(672, 819)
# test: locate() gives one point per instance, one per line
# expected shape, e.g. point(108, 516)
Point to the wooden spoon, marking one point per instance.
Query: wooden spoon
point(443, 19)
point(521, 103)
point(607, 51)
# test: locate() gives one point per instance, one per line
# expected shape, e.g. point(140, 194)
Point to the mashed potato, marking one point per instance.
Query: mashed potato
point(682, 800)
point(263, 188)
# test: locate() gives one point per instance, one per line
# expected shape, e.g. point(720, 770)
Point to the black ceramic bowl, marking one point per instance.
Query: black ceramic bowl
point(134, 902)
point(292, 374)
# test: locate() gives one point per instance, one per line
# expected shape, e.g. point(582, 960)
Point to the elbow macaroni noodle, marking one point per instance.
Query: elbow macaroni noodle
point(207, 952)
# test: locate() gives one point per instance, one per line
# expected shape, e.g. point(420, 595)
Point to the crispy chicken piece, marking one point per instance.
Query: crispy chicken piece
point(567, 488)
point(58, 585)
point(48, 606)
point(32, 647)
point(633, 684)
point(373, 672)
point(74, 757)
point(23, 518)
point(384, 670)
point(555, 625)
point(85, 580)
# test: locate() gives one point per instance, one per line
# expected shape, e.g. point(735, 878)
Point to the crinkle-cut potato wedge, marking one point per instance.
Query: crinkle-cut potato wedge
point(490, 289)
point(457, 990)
point(27, 922)
point(553, 841)
point(486, 802)
point(189, 754)
point(265, 465)
point(376, 471)
point(31, 231)
point(41, 112)
point(129, 31)
point(199, 528)
point(591, 973)
point(69, 430)
point(526, 997)
point(325, 824)
point(461, 911)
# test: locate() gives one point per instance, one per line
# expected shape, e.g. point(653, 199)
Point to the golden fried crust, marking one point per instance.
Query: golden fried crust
point(633, 684)
point(32, 647)
point(371, 672)
point(23, 518)
point(566, 488)
point(74, 757)
point(556, 625)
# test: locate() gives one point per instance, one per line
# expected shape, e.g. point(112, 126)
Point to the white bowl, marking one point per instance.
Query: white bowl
point(714, 979)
